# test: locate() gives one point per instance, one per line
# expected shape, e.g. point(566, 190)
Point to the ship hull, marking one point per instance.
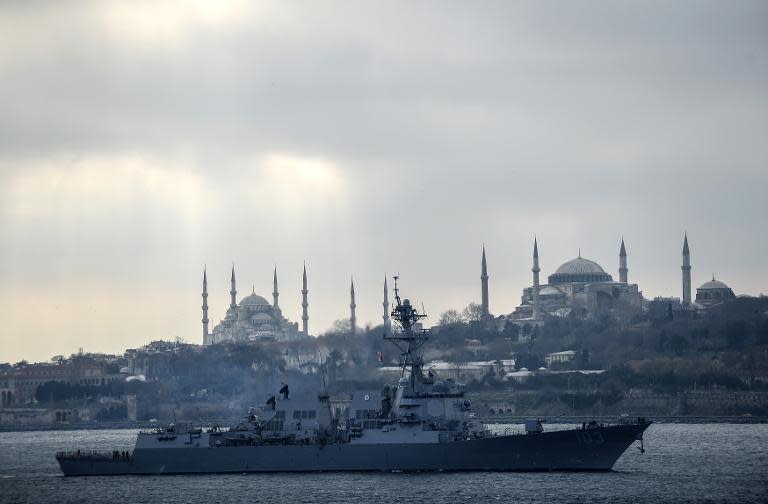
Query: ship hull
point(570, 450)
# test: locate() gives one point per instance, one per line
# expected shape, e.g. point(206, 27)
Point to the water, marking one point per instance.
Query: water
point(683, 463)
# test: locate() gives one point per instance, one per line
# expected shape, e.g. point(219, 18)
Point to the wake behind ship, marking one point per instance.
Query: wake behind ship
point(420, 424)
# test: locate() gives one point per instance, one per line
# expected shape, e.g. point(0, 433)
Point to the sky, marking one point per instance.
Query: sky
point(143, 141)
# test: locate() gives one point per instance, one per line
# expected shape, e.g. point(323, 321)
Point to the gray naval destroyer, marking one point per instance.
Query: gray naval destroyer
point(421, 424)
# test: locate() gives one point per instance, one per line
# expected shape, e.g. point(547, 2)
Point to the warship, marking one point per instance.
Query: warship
point(422, 423)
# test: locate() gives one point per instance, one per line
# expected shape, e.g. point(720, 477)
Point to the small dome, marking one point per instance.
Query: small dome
point(253, 300)
point(548, 290)
point(714, 284)
point(579, 266)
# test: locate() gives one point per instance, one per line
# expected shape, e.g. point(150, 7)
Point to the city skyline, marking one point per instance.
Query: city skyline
point(372, 308)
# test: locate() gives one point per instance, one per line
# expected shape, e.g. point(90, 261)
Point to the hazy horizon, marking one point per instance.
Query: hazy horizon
point(141, 142)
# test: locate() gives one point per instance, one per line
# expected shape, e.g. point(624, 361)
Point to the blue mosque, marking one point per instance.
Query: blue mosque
point(254, 318)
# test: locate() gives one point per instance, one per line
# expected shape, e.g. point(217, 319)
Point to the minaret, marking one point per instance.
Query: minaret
point(275, 294)
point(304, 304)
point(352, 306)
point(233, 291)
point(623, 263)
point(205, 308)
point(387, 321)
point(686, 272)
point(484, 285)
point(536, 269)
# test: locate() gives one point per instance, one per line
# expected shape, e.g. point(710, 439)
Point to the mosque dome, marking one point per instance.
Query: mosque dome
point(548, 290)
point(579, 266)
point(579, 270)
point(713, 292)
point(713, 284)
point(253, 300)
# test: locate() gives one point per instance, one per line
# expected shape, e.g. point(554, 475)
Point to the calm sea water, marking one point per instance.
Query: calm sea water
point(683, 463)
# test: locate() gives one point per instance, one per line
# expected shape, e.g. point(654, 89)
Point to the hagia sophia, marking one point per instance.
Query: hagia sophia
point(579, 286)
point(583, 286)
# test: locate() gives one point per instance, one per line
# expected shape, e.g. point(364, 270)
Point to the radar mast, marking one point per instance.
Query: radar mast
point(408, 339)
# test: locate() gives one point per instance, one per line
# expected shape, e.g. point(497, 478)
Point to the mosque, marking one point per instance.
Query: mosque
point(581, 286)
point(254, 318)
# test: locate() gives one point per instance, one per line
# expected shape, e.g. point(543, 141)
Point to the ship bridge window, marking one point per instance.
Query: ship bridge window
point(365, 414)
point(274, 425)
point(303, 414)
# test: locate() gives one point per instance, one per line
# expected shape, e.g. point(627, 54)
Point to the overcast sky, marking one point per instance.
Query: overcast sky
point(140, 141)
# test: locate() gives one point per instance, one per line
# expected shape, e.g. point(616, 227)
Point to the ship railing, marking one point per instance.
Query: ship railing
point(116, 456)
point(184, 430)
point(157, 430)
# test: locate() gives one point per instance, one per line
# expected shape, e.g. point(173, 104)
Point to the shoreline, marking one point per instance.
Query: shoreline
point(489, 420)
point(676, 419)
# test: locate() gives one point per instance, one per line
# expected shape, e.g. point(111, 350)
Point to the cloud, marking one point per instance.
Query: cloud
point(167, 22)
point(142, 140)
point(95, 185)
point(291, 180)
